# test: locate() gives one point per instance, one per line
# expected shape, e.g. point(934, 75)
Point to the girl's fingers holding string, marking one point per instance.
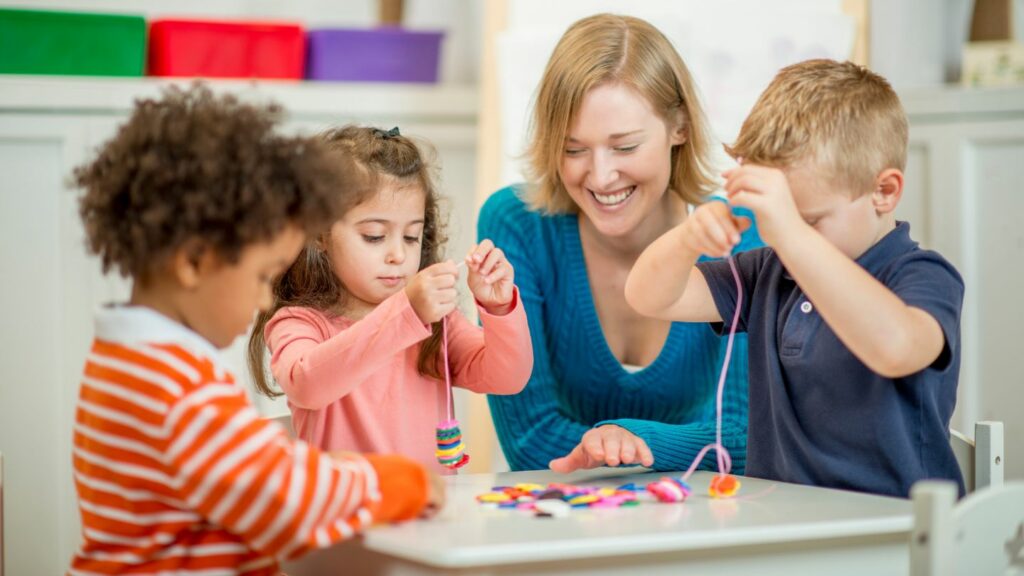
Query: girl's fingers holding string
point(468, 261)
point(501, 271)
point(444, 281)
point(481, 250)
point(447, 295)
point(495, 257)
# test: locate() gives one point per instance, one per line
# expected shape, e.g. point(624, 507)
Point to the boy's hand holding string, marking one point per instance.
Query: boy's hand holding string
point(890, 337)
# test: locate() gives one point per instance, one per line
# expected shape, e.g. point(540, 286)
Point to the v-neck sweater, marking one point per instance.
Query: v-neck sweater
point(577, 383)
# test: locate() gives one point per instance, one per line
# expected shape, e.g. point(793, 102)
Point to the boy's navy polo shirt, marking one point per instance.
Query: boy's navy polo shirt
point(818, 415)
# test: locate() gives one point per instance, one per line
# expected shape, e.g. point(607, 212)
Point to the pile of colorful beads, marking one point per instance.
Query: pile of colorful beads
point(557, 499)
point(670, 490)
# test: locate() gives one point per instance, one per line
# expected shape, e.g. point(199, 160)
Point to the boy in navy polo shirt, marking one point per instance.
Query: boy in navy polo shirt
point(853, 330)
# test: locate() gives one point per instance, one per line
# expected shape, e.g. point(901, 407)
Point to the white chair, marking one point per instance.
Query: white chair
point(1, 514)
point(982, 534)
point(980, 460)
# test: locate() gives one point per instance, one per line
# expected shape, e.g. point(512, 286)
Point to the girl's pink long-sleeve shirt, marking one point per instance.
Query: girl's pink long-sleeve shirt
point(353, 385)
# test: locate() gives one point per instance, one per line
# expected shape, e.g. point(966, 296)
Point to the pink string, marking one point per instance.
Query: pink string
point(724, 460)
point(450, 405)
point(447, 376)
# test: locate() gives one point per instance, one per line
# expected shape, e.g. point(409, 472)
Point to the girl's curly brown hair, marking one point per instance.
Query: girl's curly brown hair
point(194, 166)
point(311, 282)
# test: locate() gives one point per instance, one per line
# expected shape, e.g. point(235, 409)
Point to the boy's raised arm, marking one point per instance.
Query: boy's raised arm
point(889, 336)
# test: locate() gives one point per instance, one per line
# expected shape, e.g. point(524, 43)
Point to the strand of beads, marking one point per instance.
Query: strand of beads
point(450, 450)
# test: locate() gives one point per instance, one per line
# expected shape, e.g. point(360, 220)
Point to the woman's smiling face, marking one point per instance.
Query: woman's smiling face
point(617, 159)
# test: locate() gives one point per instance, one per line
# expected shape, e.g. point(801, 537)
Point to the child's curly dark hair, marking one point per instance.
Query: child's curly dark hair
point(194, 166)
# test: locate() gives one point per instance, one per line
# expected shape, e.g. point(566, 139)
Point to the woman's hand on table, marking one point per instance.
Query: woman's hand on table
point(607, 445)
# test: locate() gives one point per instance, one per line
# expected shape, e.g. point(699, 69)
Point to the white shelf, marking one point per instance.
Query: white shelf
point(957, 102)
point(99, 95)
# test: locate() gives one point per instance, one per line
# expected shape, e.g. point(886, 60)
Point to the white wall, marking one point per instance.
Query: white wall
point(731, 58)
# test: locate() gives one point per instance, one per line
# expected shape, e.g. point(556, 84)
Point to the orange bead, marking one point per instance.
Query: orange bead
point(723, 486)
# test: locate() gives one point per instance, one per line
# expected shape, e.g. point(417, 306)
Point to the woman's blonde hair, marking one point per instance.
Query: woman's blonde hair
point(311, 282)
point(608, 48)
point(843, 118)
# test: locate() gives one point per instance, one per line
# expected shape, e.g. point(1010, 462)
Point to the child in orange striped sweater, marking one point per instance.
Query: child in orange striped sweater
point(202, 205)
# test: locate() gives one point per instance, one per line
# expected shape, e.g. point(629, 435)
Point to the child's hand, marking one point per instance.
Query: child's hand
point(490, 277)
point(766, 192)
point(435, 495)
point(713, 230)
point(432, 293)
point(606, 445)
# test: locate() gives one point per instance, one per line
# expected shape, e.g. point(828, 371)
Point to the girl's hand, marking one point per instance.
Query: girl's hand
point(490, 277)
point(432, 293)
point(766, 192)
point(607, 445)
point(713, 230)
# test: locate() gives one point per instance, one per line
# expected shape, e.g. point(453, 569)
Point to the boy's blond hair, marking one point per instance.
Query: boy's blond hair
point(604, 49)
point(841, 117)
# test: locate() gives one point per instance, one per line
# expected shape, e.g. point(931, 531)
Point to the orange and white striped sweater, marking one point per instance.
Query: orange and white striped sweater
point(177, 473)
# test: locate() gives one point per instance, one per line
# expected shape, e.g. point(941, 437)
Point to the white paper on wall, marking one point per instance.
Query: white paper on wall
point(733, 50)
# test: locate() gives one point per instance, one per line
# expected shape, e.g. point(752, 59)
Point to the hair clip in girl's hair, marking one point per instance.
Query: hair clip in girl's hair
point(386, 134)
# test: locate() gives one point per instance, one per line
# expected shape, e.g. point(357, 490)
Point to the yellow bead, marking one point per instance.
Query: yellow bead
point(449, 452)
point(527, 487)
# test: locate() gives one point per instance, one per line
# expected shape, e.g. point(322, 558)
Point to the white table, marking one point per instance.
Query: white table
point(771, 528)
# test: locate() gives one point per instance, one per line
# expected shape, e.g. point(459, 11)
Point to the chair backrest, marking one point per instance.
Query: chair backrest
point(1, 514)
point(980, 460)
point(982, 534)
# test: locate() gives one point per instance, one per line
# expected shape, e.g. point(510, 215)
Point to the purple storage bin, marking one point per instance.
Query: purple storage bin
point(379, 55)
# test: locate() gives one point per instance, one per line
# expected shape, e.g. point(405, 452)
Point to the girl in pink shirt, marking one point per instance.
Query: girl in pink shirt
point(355, 334)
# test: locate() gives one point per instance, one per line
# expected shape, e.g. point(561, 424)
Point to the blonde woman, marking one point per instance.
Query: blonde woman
point(619, 154)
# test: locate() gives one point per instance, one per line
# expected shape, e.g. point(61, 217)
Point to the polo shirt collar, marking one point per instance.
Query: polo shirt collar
point(896, 242)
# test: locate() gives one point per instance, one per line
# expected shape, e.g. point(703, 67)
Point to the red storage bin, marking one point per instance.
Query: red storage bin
point(226, 49)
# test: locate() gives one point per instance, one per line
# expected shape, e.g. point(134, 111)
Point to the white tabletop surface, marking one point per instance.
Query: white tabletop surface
point(467, 534)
